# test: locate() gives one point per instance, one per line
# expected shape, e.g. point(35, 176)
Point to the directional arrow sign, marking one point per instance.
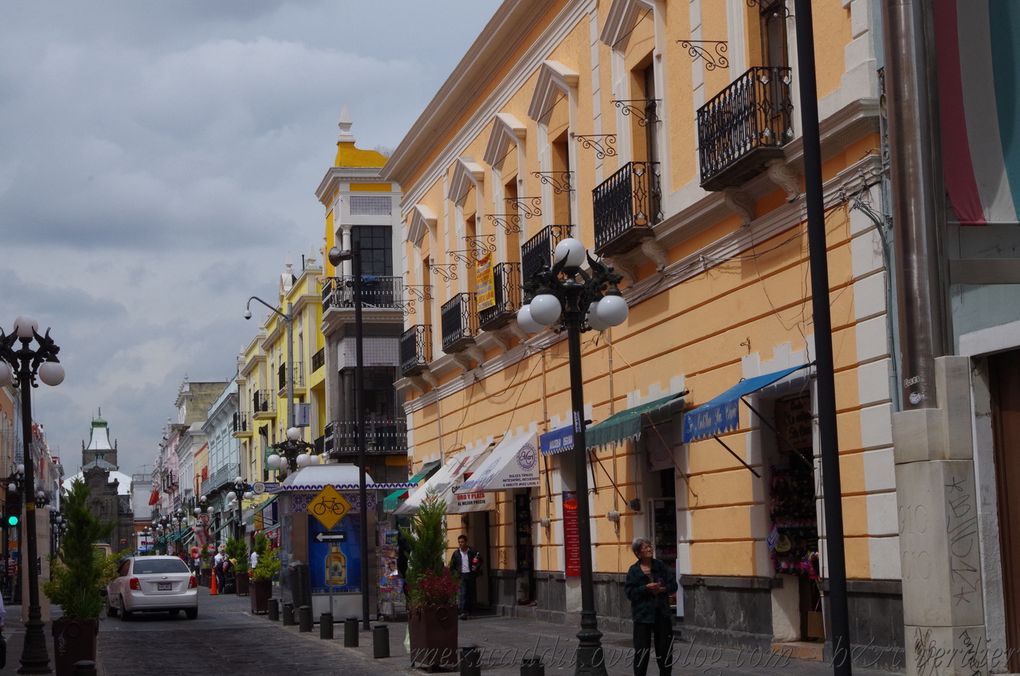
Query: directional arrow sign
point(331, 537)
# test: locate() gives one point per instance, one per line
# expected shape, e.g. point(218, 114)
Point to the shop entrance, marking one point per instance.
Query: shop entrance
point(522, 545)
point(476, 527)
point(793, 527)
point(1005, 386)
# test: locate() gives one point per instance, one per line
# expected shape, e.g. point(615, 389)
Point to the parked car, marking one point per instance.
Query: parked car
point(152, 583)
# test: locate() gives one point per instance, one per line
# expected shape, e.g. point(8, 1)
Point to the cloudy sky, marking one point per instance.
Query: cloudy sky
point(158, 162)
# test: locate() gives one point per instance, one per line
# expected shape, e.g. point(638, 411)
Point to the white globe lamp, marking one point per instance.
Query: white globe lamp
point(25, 327)
point(51, 373)
point(293, 433)
point(612, 310)
point(545, 309)
point(527, 322)
point(273, 461)
point(594, 321)
point(572, 250)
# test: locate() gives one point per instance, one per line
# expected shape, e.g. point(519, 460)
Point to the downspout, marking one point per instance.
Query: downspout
point(918, 204)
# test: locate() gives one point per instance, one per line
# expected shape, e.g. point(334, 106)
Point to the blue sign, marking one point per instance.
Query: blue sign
point(334, 556)
point(557, 441)
point(710, 420)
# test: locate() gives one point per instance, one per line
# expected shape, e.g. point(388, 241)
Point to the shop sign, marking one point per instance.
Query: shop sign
point(571, 535)
point(485, 283)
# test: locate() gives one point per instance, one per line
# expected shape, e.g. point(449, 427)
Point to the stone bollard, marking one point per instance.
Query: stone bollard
point(532, 666)
point(351, 632)
point(326, 625)
point(288, 614)
point(85, 668)
point(470, 661)
point(274, 610)
point(380, 641)
point(304, 616)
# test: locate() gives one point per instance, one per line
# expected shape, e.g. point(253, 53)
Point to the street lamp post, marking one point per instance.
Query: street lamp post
point(336, 256)
point(288, 319)
point(569, 297)
point(242, 489)
point(19, 366)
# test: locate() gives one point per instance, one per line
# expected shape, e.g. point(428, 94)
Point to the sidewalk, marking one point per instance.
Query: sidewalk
point(14, 634)
point(505, 641)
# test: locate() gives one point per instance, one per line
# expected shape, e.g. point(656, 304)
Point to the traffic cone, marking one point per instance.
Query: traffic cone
point(212, 586)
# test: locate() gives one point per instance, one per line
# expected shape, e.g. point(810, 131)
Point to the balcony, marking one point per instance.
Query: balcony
point(744, 127)
point(384, 293)
point(460, 323)
point(318, 360)
point(383, 436)
point(626, 206)
point(506, 279)
point(242, 425)
point(223, 475)
point(264, 405)
point(415, 350)
point(537, 252)
point(299, 378)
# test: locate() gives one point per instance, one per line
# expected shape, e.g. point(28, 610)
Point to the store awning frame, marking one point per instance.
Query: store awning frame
point(393, 500)
point(626, 424)
point(513, 463)
point(442, 482)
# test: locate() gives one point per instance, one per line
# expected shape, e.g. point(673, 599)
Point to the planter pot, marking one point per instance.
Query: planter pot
point(74, 640)
point(242, 584)
point(433, 636)
point(261, 592)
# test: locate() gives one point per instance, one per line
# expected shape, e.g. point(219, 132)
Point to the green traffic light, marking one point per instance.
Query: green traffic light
point(12, 520)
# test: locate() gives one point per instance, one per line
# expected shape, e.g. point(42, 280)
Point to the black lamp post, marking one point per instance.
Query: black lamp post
point(19, 366)
point(241, 490)
point(336, 256)
point(577, 300)
point(290, 454)
point(56, 530)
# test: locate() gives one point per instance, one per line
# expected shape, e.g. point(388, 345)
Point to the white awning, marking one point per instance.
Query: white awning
point(442, 482)
point(512, 464)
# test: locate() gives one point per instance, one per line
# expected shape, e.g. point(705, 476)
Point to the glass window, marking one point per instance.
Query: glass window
point(375, 242)
point(147, 566)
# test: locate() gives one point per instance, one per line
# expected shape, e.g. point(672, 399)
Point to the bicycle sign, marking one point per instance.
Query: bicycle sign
point(329, 507)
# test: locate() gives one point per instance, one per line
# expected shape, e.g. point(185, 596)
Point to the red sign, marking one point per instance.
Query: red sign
point(571, 535)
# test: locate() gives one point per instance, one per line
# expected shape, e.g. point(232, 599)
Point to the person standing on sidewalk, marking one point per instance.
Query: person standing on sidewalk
point(648, 586)
point(465, 563)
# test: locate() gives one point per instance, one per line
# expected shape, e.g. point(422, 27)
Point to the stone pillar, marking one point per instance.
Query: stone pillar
point(939, 548)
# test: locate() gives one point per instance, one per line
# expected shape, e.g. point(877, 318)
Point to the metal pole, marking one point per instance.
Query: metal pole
point(35, 658)
point(359, 405)
point(289, 317)
point(590, 661)
point(831, 487)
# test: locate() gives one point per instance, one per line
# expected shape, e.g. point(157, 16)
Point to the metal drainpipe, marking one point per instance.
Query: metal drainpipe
point(918, 205)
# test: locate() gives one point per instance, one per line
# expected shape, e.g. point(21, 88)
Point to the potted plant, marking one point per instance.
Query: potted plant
point(78, 579)
point(205, 575)
point(237, 552)
point(432, 589)
point(267, 567)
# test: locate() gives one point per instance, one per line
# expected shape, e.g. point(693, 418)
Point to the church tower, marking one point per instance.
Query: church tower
point(100, 453)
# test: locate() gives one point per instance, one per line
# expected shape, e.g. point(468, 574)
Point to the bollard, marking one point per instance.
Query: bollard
point(326, 625)
point(274, 610)
point(304, 615)
point(351, 632)
point(288, 614)
point(85, 668)
point(380, 641)
point(470, 661)
point(532, 666)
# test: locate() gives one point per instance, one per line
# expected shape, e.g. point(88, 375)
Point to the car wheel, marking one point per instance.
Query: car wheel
point(191, 613)
point(125, 614)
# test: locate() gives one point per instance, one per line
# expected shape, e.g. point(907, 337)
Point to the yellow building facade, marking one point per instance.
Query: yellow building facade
point(666, 136)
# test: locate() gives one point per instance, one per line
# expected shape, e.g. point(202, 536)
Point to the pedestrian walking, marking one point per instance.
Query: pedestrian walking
point(648, 586)
point(218, 560)
point(465, 563)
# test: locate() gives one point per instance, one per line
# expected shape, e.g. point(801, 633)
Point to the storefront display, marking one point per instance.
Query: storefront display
point(391, 586)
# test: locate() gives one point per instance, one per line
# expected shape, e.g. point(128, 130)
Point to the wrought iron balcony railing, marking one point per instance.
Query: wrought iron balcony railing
point(538, 251)
point(221, 476)
point(241, 422)
point(415, 349)
point(744, 126)
point(376, 292)
point(318, 360)
point(506, 282)
point(263, 402)
point(383, 436)
point(627, 205)
point(460, 322)
point(299, 376)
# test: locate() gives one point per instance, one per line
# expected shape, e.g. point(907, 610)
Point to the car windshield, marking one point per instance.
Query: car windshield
point(160, 566)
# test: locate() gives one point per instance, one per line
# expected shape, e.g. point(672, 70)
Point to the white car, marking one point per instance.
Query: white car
point(152, 583)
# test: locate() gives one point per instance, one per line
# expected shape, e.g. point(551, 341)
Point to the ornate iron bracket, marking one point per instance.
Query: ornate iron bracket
point(643, 115)
point(484, 243)
point(529, 207)
point(558, 180)
point(698, 49)
point(467, 256)
point(763, 5)
point(447, 271)
point(595, 141)
point(511, 223)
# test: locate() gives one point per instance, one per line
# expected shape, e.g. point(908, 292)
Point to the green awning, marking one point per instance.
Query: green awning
point(625, 424)
point(392, 501)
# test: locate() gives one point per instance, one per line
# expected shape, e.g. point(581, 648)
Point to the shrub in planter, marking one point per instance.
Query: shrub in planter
point(262, 575)
point(237, 552)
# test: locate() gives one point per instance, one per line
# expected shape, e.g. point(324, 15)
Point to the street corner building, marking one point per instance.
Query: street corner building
point(665, 136)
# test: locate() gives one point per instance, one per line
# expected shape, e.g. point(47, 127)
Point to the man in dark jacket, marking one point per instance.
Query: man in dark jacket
point(465, 563)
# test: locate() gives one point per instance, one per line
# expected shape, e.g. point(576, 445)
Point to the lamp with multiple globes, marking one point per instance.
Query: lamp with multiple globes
point(19, 366)
point(292, 454)
point(242, 490)
point(576, 299)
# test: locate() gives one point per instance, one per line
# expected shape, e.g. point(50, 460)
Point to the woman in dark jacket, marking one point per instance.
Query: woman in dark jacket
point(648, 586)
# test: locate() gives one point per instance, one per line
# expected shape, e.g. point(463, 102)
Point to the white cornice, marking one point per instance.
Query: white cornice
point(553, 78)
point(466, 173)
point(422, 218)
point(506, 129)
point(336, 175)
point(419, 143)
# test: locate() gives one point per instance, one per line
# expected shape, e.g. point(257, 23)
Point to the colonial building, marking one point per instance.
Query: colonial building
point(109, 489)
point(667, 137)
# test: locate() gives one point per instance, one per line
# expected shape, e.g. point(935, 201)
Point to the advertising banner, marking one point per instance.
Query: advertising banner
point(485, 283)
point(571, 535)
point(334, 555)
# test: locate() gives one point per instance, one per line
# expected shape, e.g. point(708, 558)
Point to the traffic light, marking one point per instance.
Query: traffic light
point(13, 520)
point(12, 508)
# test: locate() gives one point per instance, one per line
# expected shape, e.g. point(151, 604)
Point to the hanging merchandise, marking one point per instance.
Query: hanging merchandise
point(793, 541)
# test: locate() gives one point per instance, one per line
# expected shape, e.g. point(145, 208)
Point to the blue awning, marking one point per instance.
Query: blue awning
point(722, 414)
point(557, 441)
